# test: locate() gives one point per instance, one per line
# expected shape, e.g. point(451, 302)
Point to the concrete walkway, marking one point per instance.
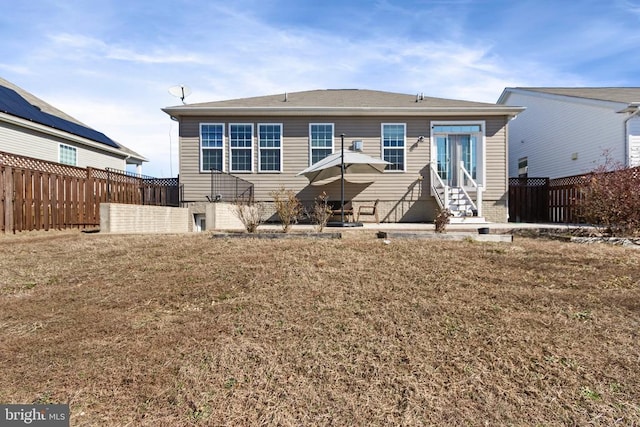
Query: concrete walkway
point(494, 228)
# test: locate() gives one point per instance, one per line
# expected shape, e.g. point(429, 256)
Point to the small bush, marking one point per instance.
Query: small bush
point(250, 214)
point(442, 220)
point(321, 212)
point(287, 206)
point(610, 199)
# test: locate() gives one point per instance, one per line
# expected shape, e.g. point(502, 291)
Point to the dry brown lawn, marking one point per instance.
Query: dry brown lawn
point(188, 330)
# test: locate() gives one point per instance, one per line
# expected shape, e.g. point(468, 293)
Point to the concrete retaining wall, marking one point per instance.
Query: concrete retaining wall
point(121, 218)
point(221, 216)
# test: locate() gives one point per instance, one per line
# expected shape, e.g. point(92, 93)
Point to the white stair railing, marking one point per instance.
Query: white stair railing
point(438, 189)
point(477, 204)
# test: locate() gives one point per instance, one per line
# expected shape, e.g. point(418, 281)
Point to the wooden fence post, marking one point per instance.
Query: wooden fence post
point(8, 199)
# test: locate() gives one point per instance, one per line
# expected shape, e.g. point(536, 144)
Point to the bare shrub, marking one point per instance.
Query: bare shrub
point(321, 212)
point(610, 199)
point(287, 206)
point(250, 214)
point(442, 220)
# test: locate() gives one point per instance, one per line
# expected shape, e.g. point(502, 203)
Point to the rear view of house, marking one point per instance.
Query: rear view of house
point(442, 153)
point(31, 127)
point(566, 131)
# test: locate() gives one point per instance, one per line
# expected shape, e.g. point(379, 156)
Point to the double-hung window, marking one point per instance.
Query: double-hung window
point(269, 147)
point(393, 145)
point(211, 147)
point(320, 141)
point(241, 147)
point(68, 155)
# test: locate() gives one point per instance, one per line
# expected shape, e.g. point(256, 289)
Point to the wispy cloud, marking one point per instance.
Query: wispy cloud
point(83, 47)
point(111, 66)
point(631, 6)
point(16, 69)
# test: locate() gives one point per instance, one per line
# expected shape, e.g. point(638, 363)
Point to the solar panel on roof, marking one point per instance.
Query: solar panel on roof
point(12, 103)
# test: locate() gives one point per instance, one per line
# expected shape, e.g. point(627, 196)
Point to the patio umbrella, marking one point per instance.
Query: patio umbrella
point(355, 166)
point(347, 166)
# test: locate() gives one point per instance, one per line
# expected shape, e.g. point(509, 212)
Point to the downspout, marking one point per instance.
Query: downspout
point(125, 161)
point(506, 142)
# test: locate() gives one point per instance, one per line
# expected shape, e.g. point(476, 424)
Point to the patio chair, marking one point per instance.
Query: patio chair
point(369, 210)
point(337, 211)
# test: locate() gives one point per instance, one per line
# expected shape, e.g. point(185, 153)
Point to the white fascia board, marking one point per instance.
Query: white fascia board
point(504, 96)
point(27, 124)
point(631, 108)
point(612, 105)
point(498, 110)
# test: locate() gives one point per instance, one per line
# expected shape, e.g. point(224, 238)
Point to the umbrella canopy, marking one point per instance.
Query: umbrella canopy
point(356, 168)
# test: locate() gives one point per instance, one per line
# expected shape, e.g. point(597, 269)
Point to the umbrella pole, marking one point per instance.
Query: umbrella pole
point(342, 223)
point(342, 178)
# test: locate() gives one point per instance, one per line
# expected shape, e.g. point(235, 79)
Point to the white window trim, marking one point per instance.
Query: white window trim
point(525, 172)
point(333, 139)
point(480, 161)
point(404, 148)
point(260, 148)
point(60, 145)
point(212, 148)
point(231, 148)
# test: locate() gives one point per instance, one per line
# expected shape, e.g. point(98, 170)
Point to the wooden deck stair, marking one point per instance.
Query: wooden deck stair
point(462, 208)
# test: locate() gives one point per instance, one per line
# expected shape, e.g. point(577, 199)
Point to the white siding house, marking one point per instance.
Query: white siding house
point(567, 131)
point(31, 127)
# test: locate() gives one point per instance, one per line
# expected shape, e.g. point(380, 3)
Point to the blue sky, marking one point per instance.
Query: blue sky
point(110, 63)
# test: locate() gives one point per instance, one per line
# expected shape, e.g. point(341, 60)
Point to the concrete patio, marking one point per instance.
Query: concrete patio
point(494, 228)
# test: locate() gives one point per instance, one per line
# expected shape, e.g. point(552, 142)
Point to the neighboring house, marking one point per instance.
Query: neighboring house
point(436, 147)
point(567, 131)
point(31, 127)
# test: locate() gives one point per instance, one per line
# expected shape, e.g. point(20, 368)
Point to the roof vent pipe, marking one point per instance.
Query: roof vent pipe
point(285, 97)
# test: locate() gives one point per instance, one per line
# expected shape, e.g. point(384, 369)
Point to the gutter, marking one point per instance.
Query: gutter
point(182, 111)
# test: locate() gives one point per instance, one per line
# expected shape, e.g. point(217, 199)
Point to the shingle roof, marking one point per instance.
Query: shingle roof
point(625, 95)
point(18, 102)
point(349, 98)
point(343, 102)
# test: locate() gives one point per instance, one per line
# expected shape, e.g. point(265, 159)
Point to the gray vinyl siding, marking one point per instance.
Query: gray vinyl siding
point(396, 188)
point(29, 143)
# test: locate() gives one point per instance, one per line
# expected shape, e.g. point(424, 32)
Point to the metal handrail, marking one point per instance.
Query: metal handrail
point(228, 187)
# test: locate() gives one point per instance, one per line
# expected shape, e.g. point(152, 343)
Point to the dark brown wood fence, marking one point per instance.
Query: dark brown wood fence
point(546, 200)
point(528, 199)
point(565, 195)
point(40, 195)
